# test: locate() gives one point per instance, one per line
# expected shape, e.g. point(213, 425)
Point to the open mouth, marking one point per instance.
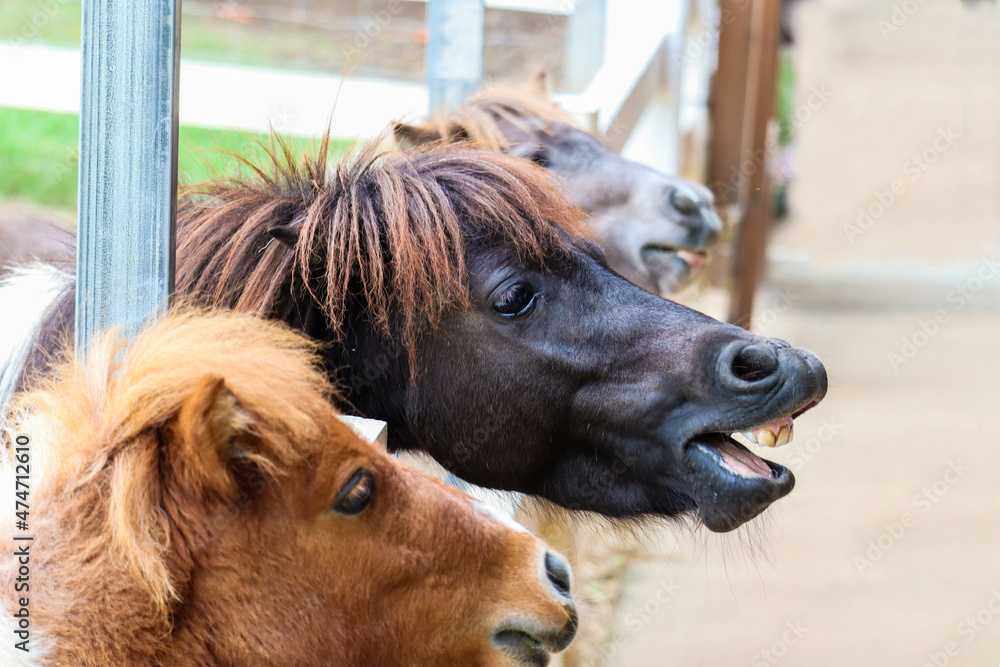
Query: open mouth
point(730, 484)
point(669, 259)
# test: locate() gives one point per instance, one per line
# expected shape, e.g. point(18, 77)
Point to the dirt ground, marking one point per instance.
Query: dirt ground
point(888, 550)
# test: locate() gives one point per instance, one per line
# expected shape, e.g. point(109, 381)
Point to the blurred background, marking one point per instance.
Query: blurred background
point(854, 150)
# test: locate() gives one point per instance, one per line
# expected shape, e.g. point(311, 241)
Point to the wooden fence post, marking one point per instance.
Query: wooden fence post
point(729, 98)
point(762, 89)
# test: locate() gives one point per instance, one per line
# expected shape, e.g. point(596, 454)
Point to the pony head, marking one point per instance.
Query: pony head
point(195, 499)
point(654, 228)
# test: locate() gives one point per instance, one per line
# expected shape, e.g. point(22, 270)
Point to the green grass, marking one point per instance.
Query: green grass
point(39, 155)
point(55, 22)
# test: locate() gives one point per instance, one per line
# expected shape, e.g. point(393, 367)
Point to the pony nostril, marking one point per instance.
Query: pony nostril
point(558, 571)
point(713, 228)
point(755, 362)
point(684, 202)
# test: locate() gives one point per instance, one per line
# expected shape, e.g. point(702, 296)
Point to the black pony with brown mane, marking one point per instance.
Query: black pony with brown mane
point(460, 301)
point(383, 230)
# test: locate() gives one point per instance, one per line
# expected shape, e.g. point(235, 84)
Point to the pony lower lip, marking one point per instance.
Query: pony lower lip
point(523, 647)
point(729, 484)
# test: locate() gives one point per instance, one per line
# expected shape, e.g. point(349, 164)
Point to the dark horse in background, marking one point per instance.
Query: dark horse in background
point(460, 300)
point(654, 229)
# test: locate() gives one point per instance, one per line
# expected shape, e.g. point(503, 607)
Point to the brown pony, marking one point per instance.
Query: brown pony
point(194, 500)
point(654, 229)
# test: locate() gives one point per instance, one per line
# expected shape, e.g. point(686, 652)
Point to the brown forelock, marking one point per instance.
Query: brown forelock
point(99, 420)
point(480, 118)
point(389, 227)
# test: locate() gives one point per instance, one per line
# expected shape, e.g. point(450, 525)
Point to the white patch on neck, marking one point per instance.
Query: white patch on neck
point(499, 516)
point(25, 298)
point(13, 657)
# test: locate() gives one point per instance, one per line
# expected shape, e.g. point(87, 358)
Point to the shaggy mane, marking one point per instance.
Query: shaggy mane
point(387, 227)
point(94, 426)
point(479, 118)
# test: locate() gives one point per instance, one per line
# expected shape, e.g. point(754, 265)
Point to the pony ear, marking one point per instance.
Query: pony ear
point(409, 136)
point(538, 84)
point(210, 423)
point(285, 234)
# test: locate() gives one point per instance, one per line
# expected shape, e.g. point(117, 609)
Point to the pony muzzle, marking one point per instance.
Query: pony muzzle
point(769, 383)
point(530, 639)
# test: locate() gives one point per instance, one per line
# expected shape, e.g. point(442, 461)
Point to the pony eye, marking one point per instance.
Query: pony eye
point(516, 300)
point(537, 153)
point(684, 202)
point(356, 495)
point(540, 156)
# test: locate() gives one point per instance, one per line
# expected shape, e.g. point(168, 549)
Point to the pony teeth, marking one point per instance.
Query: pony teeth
point(775, 434)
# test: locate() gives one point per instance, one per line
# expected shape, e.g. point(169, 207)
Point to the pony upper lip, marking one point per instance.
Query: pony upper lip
point(662, 247)
point(671, 248)
point(775, 432)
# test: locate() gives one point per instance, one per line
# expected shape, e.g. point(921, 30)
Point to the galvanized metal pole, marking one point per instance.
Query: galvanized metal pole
point(454, 50)
point(128, 164)
point(585, 32)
